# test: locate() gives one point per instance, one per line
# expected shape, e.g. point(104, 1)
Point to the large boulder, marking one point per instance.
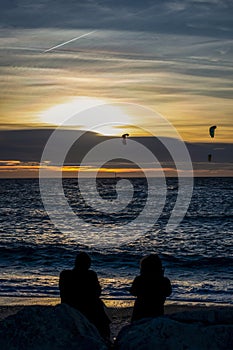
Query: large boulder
point(49, 328)
point(168, 333)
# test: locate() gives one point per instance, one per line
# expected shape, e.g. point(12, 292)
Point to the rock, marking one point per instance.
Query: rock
point(49, 328)
point(163, 333)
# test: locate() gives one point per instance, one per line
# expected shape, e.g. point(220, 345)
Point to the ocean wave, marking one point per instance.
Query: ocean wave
point(207, 216)
point(199, 261)
point(65, 255)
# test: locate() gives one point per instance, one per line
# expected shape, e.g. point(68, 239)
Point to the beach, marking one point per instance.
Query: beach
point(120, 311)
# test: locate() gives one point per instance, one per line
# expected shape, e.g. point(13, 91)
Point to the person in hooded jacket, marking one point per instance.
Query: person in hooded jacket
point(80, 288)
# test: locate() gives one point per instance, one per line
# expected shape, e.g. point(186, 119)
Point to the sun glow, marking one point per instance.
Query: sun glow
point(70, 114)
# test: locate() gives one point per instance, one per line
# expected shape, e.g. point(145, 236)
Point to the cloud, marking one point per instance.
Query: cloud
point(8, 163)
point(202, 17)
point(185, 78)
point(172, 56)
point(28, 145)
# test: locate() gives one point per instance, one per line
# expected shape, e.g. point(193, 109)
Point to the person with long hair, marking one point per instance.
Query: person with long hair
point(150, 288)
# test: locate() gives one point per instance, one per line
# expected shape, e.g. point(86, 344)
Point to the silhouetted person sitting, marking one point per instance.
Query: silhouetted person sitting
point(151, 289)
point(80, 289)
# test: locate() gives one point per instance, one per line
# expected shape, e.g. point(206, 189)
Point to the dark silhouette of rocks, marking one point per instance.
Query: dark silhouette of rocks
point(49, 328)
point(197, 330)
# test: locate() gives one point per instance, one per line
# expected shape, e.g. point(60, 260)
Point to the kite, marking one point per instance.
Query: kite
point(212, 130)
point(124, 138)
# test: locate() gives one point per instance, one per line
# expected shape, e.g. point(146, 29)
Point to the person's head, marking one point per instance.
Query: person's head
point(82, 261)
point(151, 264)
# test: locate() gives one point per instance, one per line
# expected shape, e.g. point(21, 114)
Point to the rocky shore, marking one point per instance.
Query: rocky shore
point(45, 327)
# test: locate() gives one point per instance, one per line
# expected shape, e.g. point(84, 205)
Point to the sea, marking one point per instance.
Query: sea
point(197, 255)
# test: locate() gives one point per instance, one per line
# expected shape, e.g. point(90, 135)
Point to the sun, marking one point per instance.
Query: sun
point(61, 113)
point(111, 121)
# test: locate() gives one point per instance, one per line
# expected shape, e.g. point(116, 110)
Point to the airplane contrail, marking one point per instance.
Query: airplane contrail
point(69, 41)
point(21, 48)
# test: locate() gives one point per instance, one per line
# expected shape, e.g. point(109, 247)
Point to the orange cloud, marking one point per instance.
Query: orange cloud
point(9, 162)
point(18, 169)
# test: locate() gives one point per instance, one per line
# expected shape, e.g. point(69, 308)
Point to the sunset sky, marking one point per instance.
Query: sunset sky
point(173, 57)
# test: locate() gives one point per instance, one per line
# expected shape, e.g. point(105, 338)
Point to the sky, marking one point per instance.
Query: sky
point(171, 57)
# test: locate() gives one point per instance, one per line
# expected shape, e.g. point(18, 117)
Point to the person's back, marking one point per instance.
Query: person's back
point(151, 289)
point(80, 289)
